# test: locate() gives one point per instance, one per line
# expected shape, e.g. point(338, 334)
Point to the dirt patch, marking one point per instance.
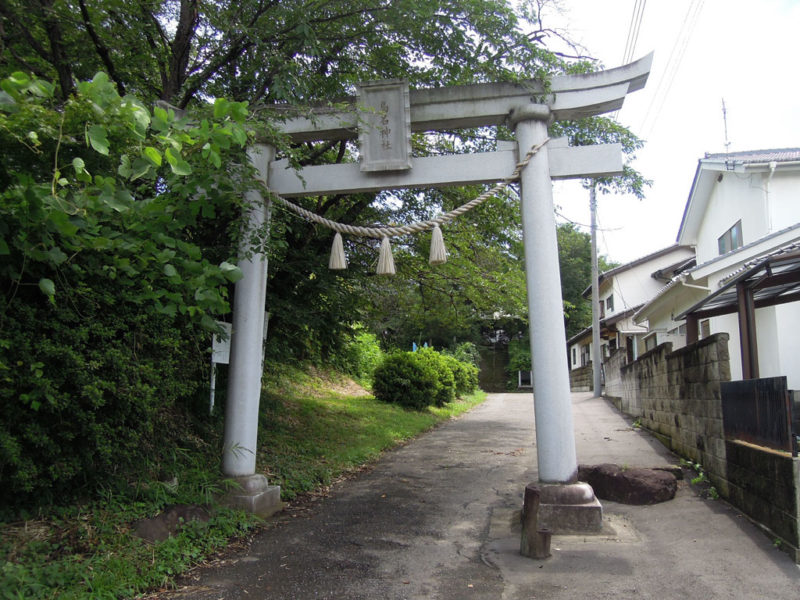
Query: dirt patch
point(334, 382)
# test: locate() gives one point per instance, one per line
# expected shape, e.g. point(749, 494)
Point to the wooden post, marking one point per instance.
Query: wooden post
point(747, 331)
point(692, 332)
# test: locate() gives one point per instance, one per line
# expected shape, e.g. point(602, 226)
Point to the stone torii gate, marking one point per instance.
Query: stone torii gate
point(382, 116)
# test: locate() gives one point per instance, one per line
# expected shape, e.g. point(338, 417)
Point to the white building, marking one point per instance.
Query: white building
point(743, 219)
point(623, 290)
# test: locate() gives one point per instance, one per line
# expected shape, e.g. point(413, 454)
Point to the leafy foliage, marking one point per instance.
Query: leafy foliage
point(446, 390)
point(362, 355)
point(298, 50)
point(465, 375)
point(107, 291)
point(407, 379)
point(423, 378)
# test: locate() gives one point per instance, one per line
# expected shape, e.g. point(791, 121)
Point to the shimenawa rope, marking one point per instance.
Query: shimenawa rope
point(385, 262)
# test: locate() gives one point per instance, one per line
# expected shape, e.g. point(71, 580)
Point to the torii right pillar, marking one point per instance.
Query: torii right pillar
point(564, 504)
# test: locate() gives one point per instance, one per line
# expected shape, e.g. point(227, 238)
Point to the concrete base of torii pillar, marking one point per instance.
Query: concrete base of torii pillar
point(562, 505)
point(252, 492)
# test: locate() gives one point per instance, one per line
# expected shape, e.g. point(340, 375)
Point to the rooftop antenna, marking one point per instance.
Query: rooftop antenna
point(727, 141)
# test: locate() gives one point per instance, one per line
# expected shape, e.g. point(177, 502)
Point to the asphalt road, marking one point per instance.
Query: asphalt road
point(439, 518)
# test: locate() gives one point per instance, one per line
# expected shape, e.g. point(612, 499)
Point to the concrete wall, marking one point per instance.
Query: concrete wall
point(581, 379)
point(676, 395)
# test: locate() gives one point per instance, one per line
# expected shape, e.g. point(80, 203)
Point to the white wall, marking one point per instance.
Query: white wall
point(788, 315)
point(783, 199)
point(778, 330)
point(730, 324)
point(737, 196)
point(635, 286)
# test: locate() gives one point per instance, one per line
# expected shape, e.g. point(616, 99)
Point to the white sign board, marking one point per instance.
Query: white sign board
point(384, 131)
point(221, 345)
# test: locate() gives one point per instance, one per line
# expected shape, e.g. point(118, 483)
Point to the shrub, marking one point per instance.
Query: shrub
point(465, 352)
point(407, 379)
point(444, 372)
point(465, 375)
point(87, 389)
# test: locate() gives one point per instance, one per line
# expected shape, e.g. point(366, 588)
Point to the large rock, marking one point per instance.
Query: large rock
point(629, 486)
point(169, 522)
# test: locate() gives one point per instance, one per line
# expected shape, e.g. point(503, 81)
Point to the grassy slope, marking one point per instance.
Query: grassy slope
point(310, 435)
point(314, 428)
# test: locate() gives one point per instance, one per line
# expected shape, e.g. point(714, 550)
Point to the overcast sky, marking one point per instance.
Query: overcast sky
point(743, 51)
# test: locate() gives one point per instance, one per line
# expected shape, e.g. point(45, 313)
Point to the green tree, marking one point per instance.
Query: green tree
point(181, 51)
point(296, 52)
point(107, 298)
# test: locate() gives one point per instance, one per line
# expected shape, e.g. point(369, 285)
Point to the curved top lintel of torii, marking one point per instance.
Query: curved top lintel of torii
point(483, 104)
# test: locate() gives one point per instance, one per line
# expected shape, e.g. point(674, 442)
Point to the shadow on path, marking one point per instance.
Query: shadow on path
point(439, 518)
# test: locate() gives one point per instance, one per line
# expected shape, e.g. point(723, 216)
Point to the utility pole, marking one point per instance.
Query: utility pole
point(596, 357)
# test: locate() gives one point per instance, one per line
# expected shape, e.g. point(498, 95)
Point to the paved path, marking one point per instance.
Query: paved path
point(439, 518)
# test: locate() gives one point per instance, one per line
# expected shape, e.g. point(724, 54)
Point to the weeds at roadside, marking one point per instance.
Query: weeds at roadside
point(701, 480)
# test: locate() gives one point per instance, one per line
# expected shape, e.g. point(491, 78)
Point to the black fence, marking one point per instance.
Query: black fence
point(759, 411)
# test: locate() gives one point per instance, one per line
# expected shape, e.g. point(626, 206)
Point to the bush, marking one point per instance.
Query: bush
point(465, 352)
point(444, 372)
point(113, 269)
point(407, 379)
point(87, 392)
point(465, 375)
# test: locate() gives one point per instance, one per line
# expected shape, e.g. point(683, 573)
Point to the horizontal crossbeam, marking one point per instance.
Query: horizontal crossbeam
point(438, 171)
point(486, 104)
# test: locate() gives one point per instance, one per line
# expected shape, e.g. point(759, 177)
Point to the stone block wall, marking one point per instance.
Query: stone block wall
point(614, 384)
point(765, 485)
point(676, 395)
point(581, 379)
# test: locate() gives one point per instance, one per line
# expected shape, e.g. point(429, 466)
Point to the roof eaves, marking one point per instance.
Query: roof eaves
point(634, 263)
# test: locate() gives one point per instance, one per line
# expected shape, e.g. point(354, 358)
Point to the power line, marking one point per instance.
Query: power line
point(634, 28)
point(673, 65)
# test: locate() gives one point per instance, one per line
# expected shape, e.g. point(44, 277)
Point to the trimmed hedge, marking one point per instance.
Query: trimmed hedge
point(423, 378)
point(465, 375)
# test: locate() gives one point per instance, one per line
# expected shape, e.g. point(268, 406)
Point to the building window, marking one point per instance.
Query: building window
point(574, 356)
point(585, 355)
point(610, 304)
point(731, 239)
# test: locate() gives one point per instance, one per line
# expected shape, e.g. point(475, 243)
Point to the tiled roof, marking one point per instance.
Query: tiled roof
point(758, 156)
point(792, 248)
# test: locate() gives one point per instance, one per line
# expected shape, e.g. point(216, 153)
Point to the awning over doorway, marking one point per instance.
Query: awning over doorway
point(765, 281)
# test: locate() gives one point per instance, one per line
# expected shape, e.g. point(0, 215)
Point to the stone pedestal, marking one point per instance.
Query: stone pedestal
point(255, 496)
point(569, 508)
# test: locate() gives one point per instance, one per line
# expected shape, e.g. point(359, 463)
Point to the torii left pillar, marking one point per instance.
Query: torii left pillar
point(253, 494)
point(564, 504)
